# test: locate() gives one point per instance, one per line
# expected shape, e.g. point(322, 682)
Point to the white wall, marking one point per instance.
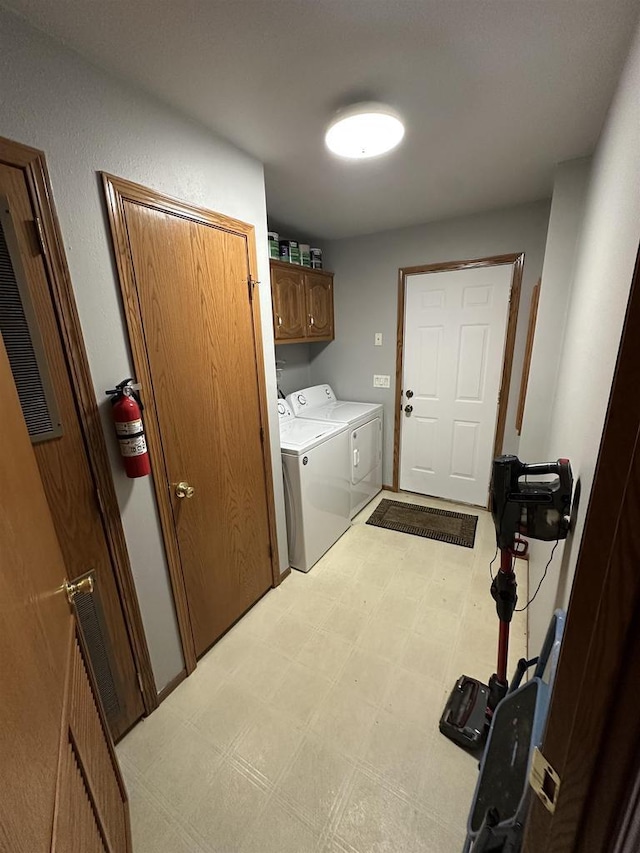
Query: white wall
point(565, 222)
point(86, 121)
point(602, 276)
point(366, 292)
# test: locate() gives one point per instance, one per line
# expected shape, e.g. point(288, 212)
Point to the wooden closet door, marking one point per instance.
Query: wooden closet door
point(64, 467)
point(192, 284)
point(60, 786)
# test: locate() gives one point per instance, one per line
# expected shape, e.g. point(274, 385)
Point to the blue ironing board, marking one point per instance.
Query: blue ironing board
point(501, 798)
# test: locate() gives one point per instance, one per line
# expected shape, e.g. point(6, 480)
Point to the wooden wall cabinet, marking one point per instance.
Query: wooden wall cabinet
point(302, 304)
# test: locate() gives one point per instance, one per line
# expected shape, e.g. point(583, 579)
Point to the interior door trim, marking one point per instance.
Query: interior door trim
point(117, 192)
point(34, 166)
point(517, 260)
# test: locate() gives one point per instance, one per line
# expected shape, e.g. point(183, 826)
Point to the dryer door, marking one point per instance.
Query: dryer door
point(366, 464)
point(366, 450)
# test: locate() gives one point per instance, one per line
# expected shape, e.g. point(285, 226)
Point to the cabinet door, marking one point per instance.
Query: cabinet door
point(319, 305)
point(289, 314)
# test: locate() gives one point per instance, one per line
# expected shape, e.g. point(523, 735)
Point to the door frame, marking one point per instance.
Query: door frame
point(117, 192)
point(48, 234)
point(592, 736)
point(517, 261)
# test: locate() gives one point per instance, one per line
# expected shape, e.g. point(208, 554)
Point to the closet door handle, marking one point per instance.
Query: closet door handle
point(86, 585)
point(278, 319)
point(312, 322)
point(184, 490)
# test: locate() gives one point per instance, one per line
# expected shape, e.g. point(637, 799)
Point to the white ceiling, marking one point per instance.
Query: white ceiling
point(494, 92)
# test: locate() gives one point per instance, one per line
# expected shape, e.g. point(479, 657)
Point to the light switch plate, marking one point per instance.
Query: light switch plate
point(377, 339)
point(381, 381)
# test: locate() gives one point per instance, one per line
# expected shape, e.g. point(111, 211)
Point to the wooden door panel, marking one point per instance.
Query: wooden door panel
point(77, 828)
point(34, 629)
point(64, 467)
point(193, 293)
point(46, 802)
point(289, 305)
point(92, 746)
point(319, 291)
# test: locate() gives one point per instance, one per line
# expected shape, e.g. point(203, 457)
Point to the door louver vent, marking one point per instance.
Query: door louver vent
point(22, 339)
point(91, 619)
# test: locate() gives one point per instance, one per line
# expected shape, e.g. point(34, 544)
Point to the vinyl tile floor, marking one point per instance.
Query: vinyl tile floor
point(312, 726)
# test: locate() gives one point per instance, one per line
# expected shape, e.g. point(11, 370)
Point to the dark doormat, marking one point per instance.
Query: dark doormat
point(457, 528)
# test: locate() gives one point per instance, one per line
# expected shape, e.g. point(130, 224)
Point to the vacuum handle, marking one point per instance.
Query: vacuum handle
point(536, 468)
point(561, 468)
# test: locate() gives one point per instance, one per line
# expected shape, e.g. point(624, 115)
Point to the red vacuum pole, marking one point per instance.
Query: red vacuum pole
point(504, 593)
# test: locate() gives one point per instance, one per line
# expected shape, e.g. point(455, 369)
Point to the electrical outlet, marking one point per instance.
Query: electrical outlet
point(381, 381)
point(377, 339)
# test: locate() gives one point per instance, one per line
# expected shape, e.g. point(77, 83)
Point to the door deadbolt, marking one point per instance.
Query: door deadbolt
point(409, 394)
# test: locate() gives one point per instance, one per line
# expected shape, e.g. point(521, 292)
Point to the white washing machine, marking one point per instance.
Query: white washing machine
point(317, 490)
point(365, 436)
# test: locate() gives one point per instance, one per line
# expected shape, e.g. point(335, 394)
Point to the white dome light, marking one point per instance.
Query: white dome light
point(364, 130)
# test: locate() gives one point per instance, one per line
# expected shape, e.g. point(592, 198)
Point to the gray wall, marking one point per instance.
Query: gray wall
point(366, 288)
point(86, 121)
point(603, 269)
point(295, 372)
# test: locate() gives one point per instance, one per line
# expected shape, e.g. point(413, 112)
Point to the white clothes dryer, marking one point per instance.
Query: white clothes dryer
point(365, 436)
point(317, 490)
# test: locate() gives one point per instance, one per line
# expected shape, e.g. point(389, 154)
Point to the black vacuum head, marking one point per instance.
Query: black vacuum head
point(464, 719)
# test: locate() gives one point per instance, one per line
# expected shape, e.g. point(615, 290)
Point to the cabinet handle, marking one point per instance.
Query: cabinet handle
point(312, 322)
point(279, 319)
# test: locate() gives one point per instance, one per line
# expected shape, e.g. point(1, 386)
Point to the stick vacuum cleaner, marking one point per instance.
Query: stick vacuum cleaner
point(538, 510)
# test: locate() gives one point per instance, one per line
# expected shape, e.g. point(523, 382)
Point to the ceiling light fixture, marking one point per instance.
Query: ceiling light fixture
point(364, 130)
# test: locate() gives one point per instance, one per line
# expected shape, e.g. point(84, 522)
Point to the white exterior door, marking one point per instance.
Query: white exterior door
point(454, 337)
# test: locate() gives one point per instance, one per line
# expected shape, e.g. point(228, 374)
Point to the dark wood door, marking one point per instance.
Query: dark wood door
point(592, 737)
point(191, 281)
point(66, 475)
point(319, 292)
point(60, 786)
point(289, 303)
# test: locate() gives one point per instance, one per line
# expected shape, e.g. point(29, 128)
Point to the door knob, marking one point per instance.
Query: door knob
point(82, 586)
point(408, 410)
point(409, 394)
point(184, 490)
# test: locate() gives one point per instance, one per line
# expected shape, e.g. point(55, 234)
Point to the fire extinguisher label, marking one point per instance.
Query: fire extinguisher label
point(129, 427)
point(133, 446)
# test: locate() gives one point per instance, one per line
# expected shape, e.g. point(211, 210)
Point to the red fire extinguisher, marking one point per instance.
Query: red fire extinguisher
point(127, 415)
